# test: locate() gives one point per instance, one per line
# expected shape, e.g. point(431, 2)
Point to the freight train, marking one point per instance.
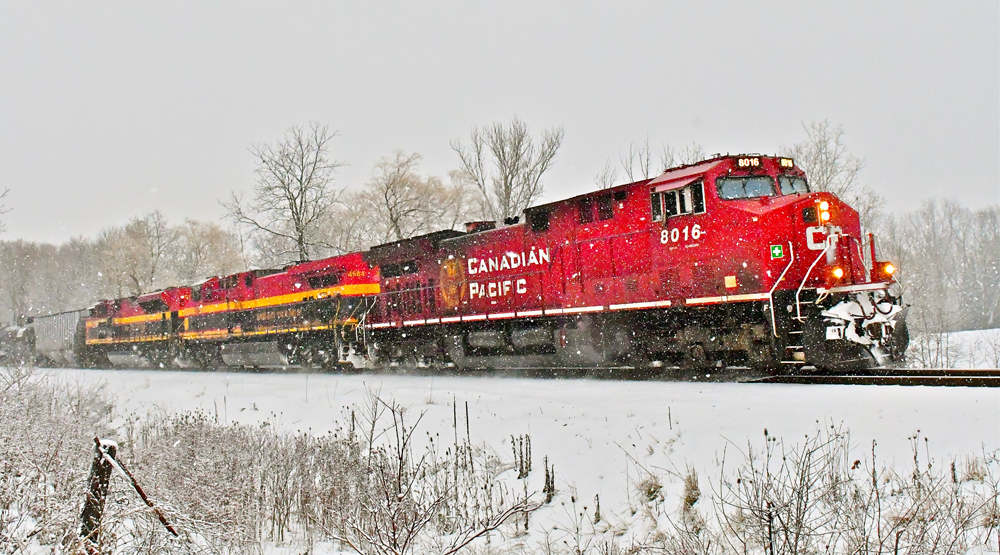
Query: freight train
point(732, 261)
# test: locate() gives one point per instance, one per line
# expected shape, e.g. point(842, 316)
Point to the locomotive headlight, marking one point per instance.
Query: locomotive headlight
point(824, 205)
point(824, 215)
point(838, 273)
point(888, 268)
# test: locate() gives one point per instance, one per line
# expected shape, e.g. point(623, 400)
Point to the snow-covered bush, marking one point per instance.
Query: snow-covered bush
point(46, 445)
point(812, 497)
point(239, 488)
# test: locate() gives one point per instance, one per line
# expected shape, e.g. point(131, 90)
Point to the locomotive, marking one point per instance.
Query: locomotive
point(731, 261)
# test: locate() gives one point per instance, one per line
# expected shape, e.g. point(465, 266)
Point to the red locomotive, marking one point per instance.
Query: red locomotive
point(731, 261)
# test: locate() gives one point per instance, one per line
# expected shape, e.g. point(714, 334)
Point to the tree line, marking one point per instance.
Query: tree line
point(948, 255)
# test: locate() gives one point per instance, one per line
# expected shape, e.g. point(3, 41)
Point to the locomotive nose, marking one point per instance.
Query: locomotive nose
point(829, 235)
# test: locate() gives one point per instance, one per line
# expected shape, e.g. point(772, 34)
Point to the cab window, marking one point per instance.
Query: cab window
point(731, 188)
point(791, 185)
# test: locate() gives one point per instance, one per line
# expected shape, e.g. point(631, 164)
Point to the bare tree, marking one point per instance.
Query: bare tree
point(831, 167)
point(205, 249)
point(17, 272)
point(606, 178)
point(3, 209)
point(293, 193)
point(403, 203)
point(638, 162)
point(688, 154)
point(154, 240)
point(507, 165)
point(134, 257)
point(826, 160)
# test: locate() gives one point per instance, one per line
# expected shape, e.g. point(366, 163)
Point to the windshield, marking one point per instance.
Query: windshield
point(792, 185)
point(744, 187)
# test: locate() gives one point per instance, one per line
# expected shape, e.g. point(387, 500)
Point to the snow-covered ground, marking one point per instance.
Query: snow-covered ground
point(965, 349)
point(596, 433)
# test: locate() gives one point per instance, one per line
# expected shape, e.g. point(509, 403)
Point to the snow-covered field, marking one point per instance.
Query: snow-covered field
point(607, 440)
point(962, 349)
point(596, 433)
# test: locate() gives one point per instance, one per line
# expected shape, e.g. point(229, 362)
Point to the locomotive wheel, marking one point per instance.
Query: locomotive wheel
point(696, 359)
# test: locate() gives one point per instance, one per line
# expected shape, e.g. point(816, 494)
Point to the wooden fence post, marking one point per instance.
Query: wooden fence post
point(93, 506)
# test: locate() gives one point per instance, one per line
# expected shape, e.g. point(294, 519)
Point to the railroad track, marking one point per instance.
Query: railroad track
point(900, 376)
point(897, 376)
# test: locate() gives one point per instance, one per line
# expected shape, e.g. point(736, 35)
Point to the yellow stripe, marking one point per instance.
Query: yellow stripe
point(139, 319)
point(113, 340)
point(211, 334)
point(204, 309)
point(318, 327)
point(344, 290)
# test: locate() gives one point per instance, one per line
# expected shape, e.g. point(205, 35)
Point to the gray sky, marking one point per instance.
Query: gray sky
point(111, 110)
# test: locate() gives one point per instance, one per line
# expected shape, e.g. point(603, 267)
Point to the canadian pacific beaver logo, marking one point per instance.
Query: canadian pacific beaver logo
point(452, 282)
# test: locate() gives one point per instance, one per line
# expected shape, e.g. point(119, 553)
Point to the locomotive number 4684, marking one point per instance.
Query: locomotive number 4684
point(677, 234)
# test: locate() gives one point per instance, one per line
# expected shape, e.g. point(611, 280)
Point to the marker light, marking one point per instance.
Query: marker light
point(824, 216)
point(838, 273)
point(888, 268)
point(824, 205)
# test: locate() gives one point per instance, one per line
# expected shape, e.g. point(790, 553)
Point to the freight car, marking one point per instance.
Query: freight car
point(732, 261)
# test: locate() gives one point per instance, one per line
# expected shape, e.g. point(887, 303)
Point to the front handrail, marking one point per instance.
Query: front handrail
point(770, 294)
point(798, 303)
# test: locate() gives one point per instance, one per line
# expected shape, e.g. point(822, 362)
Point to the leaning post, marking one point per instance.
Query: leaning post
point(93, 506)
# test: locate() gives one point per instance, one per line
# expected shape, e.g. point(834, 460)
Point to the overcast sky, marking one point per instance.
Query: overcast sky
point(111, 110)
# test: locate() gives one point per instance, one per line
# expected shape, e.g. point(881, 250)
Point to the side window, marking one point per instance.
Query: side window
point(656, 202)
point(586, 210)
point(539, 221)
point(323, 281)
point(605, 211)
point(670, 203)
point(396, 270)
point(686, 200)
point(698, 197)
